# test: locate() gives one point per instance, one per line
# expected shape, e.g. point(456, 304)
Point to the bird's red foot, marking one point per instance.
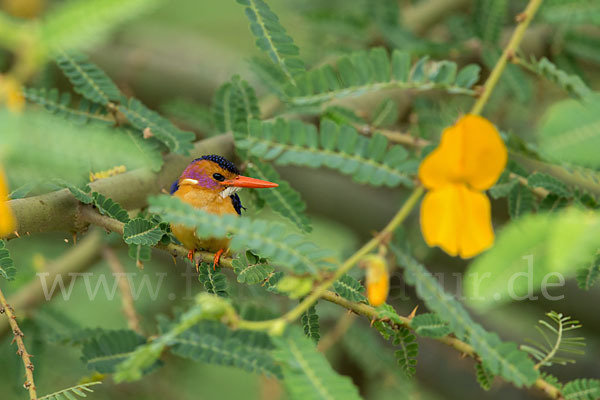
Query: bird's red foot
point(190, 257)
point(217, 258)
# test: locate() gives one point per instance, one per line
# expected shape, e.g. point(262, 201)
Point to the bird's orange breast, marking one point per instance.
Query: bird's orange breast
point(210, 202)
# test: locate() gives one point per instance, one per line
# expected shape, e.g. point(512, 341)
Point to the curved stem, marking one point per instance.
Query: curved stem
point(296, 312)
point(524, 19)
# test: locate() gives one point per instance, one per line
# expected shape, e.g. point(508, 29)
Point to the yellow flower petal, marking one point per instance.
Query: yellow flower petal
point(7, 220)
point(471, 152)
point(458, 220)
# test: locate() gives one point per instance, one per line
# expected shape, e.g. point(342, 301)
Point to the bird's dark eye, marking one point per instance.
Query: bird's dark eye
point(218, 177)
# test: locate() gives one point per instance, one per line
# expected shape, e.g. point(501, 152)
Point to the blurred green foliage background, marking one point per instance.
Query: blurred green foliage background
point(177, 55)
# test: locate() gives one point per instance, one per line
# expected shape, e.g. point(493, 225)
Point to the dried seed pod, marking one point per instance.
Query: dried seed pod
point(378, 279)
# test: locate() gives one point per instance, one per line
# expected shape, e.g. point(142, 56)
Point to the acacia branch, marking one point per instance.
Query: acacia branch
point(466, 349)
point(57, 211)
point(21, 350)
point(90, 215)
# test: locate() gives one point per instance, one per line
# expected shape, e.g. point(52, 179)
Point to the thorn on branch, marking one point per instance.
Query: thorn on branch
point(413, 313)
point(521, 17)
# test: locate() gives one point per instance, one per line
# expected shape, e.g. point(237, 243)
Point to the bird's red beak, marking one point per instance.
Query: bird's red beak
point(247, 182)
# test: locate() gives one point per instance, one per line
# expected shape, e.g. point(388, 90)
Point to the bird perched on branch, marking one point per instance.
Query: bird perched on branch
point(210, 183)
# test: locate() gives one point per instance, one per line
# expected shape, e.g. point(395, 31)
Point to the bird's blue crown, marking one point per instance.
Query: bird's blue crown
point(222, 161)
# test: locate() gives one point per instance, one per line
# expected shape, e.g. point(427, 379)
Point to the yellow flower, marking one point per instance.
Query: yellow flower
point(119, 169)
point(455, 213)
point(7, 220)
point(378, 279)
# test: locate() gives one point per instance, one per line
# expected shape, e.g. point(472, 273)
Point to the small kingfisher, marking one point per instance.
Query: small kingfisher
point(210, 183)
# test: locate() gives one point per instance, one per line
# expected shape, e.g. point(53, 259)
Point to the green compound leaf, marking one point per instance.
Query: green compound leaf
point(104, 352)
point(520, 201)
point(111, 147)
point(272, 281)
point(272, 38)
point(88, 80)
point(213, 343)
point(553, 202)
point(7, 265)
point(307, 374)
point(148, 150)
point(501, 358)
point(140, 253)
point(531, 252)
point(310, 323)
point(484, 377)
point(284, 200)
point(570, 83)
point(92, 83)
point(490, 16)
point(500, 190)
point(140, 231)
point(72, 392)
point(409, 350)
point(272, 239)
point(60, 104)
point(429, 325)
point(233, 105)
point(213, 281)
point(143, 118)
point(570, 132)
point(587, 276)
point(191, 114)
point(81, 193)
point(107, 206)
point(468, 76)
point(570, 12)
point(558, 344)
point(385, 114)
point(365, 72)
point(367, 160)
point(582, 389)
point(206, 307)
point(349, 288)
point(548, 182)
point(251, 269)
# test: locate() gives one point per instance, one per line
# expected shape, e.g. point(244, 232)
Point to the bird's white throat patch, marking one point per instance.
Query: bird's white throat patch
point(229, 191)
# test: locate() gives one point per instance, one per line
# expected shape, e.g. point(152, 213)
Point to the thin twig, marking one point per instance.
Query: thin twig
point(509, 51)
point(464, 348)
point(402, 138)
point(133, 319)
point(338, 331)
point(21, 350)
